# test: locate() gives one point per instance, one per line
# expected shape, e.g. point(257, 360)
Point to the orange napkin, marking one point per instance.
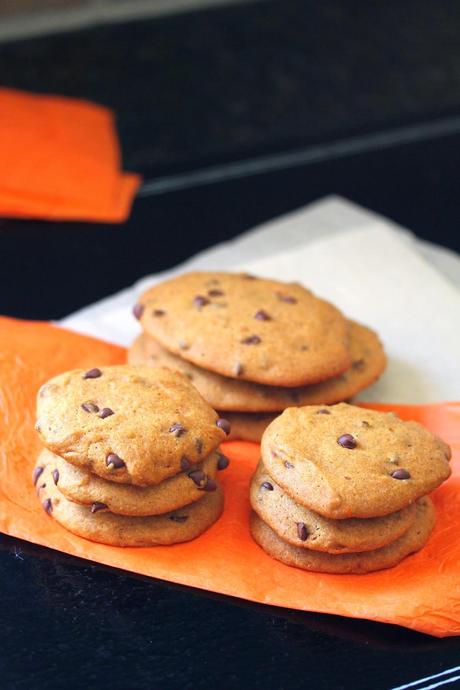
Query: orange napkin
point(422, 592)
point(60, 160)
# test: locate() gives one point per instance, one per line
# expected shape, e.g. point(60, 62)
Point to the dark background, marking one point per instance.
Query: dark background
point(193, 91)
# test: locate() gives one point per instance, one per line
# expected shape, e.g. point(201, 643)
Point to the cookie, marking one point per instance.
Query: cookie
point(247, 328)
point(248, 426)
point(102, 526)
point(302, 527)
point(348, 563)
point(83, 487)
point(133, 425)
point(345, 461)
point(224, 393)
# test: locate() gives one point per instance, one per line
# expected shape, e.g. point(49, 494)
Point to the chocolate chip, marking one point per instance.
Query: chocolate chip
point(114, 462)
point(90, 407)
point(106, 412)
point(138, 310)
point(158, 312)
point(267, 486)
point(183, 345)
point(96, 507)
point(178, 518)
point(248, 276)
point(177, 429)
point(347, 441)
point(288, 465)
point(199, 301)
point(210, 485)
point(92, 374)
point(185, 464)
point(262, 315)
point(302, 531)
point(251, 340)
point(224, 424)
point(223, 462)
point(198, 445)
point(215, 293)
point(55, 476)
point(198, 477)
point(238, 369)
point(365, 424)
point(286, 298)
point(323, 411)
point(358, 364)
point(47, 506)
point(400, 474)
point(36, 474)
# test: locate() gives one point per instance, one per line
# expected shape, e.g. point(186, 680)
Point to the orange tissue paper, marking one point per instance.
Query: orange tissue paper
point(60, 160)
point(422, 592)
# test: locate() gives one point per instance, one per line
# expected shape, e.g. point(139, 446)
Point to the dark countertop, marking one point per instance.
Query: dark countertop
point(191, 91)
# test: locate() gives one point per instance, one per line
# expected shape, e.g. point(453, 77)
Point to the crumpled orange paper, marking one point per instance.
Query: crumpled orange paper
point(422, 592)
point(60, 160)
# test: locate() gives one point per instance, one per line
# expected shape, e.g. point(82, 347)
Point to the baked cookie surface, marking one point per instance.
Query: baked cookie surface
point(248, 426)
point(345, 461)
point(104, 527)
point(304, 528)
point(230, 394)
point(348, 563)
point(243, 327)
point(81, 486)
point(132, 425)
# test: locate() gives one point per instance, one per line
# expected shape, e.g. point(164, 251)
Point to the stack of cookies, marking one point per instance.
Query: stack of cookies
point(131, 455)
point(342, 489)
point(254, 347)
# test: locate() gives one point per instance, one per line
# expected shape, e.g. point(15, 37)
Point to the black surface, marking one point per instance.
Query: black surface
point(73, 264)
point(222, 84)
point(191, 89)
point(79, 625)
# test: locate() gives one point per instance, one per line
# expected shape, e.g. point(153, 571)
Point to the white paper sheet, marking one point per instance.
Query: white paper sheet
point(373, 270)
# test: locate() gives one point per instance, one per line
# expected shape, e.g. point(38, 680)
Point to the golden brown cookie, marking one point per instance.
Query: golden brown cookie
point(81, 486)
point(345, 461)
point(247, 328)
point(102, 526)
point(348, 563)
point(224, 393)
point(133, 425)
point(302, 527)
point(247, 426)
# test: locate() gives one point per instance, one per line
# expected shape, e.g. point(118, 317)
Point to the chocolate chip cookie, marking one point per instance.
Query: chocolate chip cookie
point(248, 426)
point(364, 562)
point(230, 394)
point(81, 486)
point(304, 528)
point(345, 461)
point(99, 525)
point(247, 328)
point(131, 425)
